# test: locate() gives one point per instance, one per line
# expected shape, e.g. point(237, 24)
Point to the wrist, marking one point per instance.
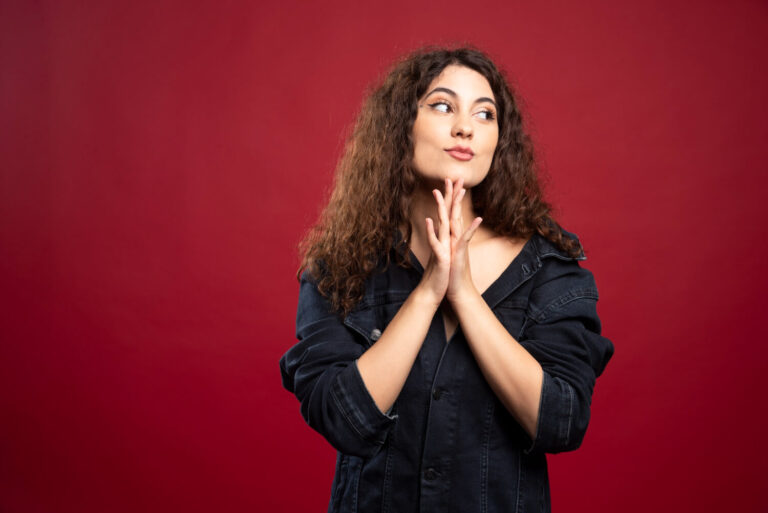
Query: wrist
point(426, 297)
point(464, 296)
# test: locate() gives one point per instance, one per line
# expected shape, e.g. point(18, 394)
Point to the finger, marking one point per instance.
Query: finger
point(448, 198)
point(457, 223)
point(456, 208)
point(459, 186)
point(431, 234)
point(472, 228)
point(442, 211)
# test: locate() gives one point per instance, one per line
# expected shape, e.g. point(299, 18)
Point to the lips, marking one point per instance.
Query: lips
point(460, 153)
point(462, 149)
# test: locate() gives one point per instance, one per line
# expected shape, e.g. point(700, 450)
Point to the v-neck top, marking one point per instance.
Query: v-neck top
point(420, 269)
point(448, 443)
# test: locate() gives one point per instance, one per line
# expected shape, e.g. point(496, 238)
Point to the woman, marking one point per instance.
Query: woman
point(448, 337)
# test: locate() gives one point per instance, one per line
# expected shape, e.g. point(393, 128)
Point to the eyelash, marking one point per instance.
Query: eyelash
point(491, 115)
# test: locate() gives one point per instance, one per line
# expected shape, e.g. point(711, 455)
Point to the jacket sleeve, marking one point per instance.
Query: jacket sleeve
point(321, 370)
point(564, 337)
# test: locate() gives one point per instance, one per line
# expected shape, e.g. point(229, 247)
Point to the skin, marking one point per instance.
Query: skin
point(451, 283)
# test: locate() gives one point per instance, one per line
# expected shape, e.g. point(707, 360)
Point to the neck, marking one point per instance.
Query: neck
point(424, 204)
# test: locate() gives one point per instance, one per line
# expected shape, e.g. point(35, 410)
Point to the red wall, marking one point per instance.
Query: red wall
point(160, 161)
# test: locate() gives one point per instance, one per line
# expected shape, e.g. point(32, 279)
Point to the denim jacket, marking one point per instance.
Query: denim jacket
point(448, 444)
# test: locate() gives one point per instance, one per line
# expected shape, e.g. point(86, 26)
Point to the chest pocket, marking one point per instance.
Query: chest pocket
point(512, 314)
point(371, 318)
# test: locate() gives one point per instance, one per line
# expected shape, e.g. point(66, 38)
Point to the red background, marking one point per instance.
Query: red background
point(160, 162)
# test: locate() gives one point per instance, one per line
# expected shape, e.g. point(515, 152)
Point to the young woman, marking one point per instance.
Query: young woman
point(447, 336)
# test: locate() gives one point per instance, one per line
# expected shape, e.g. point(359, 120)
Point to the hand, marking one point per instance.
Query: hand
point(437, 272)
point(460, 279)
point(448, 271)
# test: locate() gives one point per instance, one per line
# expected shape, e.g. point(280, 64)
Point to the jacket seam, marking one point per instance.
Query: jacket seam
point(484, 461)
point(346, 416)
point(561, 301)
point(349, 420)
point(570, 415)
point(388, 298)
point(385, 495)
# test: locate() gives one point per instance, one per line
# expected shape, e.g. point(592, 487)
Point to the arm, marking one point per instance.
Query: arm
point(324, 372)
point(546, 379)
point(344, 390)
point(512, 373)
point(564, 336)
point(321, 371)
point(385, 366)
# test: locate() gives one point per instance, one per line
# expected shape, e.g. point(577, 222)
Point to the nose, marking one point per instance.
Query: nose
point(461, 127)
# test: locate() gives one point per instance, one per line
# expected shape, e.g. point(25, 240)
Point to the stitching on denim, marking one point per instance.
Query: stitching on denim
point(371, 438)
point(484, 460)
point(561, 301)
point(389, 298)
point(308, 325)
point(341, 476)
point(366, 334)
point(518, 506)
point(385, 495)
point(537, 435)
point(343, 411)
point(561, 257)
point(356, 488)
point(570, 414)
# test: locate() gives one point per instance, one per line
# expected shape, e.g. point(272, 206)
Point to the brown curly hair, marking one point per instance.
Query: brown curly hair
point(374, 180)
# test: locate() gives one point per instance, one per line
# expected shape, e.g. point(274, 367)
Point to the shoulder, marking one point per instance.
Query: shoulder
point(546, 248)
point(560, 278)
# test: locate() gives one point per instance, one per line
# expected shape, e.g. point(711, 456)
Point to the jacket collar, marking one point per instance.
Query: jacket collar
point(525, 265)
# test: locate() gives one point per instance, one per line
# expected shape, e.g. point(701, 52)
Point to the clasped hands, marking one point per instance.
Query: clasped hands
point(448, 272)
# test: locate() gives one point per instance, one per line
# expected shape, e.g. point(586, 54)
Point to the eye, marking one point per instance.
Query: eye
point(489, 115)
point(441, 106)
point(445, 107)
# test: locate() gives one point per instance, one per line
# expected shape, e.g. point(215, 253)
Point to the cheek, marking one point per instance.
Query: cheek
point(426, 132)
point(493, 140)
point(425, 149)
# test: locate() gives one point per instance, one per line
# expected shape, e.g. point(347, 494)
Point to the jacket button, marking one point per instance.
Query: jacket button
point(436, 393)
point(430, 474)
point(375, 334)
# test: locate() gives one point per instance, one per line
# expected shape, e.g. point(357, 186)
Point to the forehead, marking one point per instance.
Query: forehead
point(465, 82)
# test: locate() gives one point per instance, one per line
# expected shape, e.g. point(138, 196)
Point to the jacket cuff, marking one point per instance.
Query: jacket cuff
point(358, 407)
point(553, 428)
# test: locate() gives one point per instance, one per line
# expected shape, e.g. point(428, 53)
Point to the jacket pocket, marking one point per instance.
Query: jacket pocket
point(370, 319)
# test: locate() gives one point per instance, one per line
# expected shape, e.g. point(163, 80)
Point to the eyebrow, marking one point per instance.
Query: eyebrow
point(453, 94)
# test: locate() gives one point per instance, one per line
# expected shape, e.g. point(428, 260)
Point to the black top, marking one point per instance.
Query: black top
point(448, 444)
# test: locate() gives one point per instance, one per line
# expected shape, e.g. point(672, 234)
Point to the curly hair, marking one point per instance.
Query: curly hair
point(375, 178)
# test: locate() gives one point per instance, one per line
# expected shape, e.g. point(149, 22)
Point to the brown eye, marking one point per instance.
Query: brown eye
point(441, 107)
point(489, 116)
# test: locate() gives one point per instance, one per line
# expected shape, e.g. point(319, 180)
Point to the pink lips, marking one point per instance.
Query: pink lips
point(460, 153)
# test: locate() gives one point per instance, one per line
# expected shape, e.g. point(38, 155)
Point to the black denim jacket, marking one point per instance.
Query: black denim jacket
point(448, 444)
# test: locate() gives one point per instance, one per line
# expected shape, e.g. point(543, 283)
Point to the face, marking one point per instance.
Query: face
point(456, 128)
